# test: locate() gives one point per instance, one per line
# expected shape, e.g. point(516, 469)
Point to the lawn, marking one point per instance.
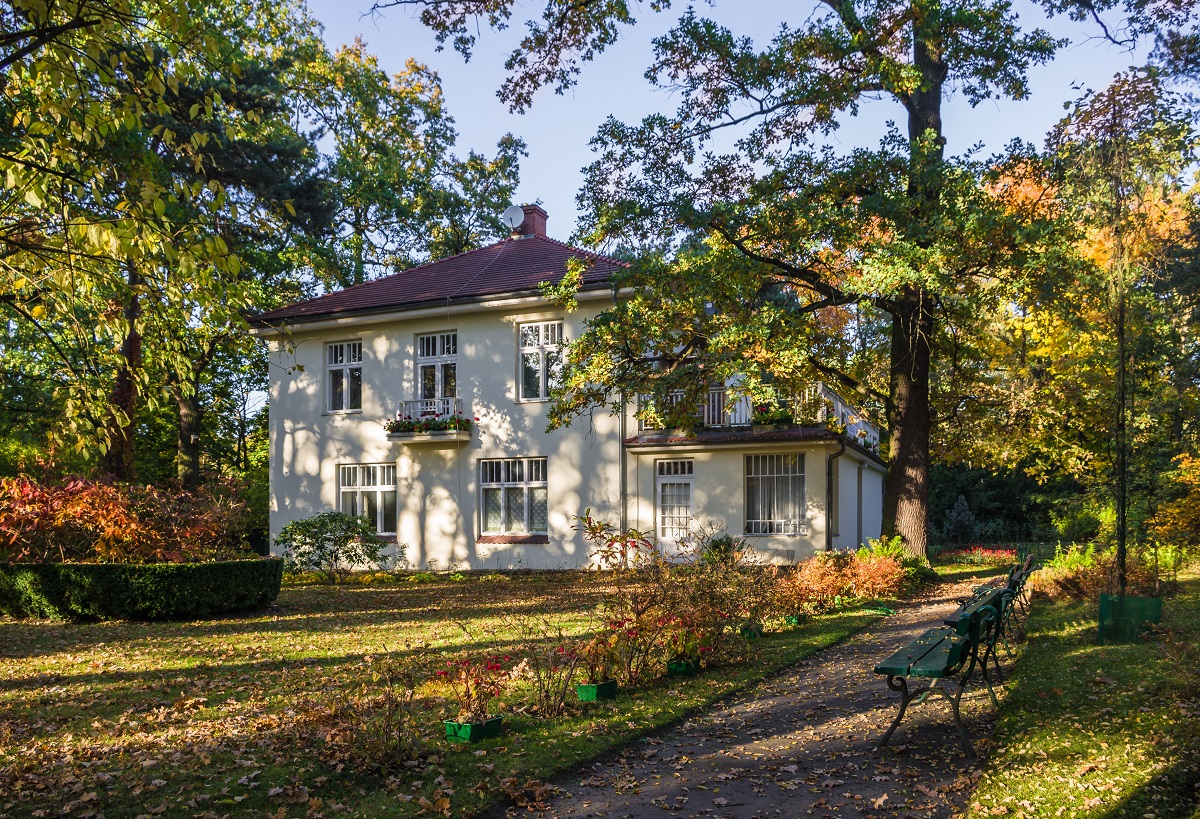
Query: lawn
point(1098, 731)
point(216, 718)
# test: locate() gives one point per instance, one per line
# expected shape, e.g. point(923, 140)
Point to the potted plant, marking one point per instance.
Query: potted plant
point(455, 422)
point(599, 662)
point(475, 684)
point(772, 416)
point(683, 651)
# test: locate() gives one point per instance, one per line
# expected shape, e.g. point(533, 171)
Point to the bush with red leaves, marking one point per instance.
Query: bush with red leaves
point(78, 519)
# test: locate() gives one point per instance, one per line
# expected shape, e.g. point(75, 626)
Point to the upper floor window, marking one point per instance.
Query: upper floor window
point(343, 364)
point(541, 359)
point(369, 491)
point(437, 366)
point(513, 495)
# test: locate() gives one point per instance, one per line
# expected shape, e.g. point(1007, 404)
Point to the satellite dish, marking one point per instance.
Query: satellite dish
point(513, 216)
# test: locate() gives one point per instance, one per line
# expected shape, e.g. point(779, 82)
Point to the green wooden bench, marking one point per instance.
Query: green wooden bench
point(950, 653)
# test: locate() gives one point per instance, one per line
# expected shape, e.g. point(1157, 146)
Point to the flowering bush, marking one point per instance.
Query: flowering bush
point(430, 423)
point(980, 555)
point(550, 658)
point(598, 658)
point(475, 683)
point(376, 728)
point(79, 519)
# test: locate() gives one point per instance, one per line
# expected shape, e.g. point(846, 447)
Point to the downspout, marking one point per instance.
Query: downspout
point(829, 492)
point(624, 463)
point(861, 466)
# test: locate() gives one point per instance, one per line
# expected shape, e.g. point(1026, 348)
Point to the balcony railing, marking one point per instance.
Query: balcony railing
point(429, 408)
point(818, 404)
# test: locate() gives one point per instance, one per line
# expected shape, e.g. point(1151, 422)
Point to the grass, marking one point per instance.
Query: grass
point(1097, 731)
point(211, 718)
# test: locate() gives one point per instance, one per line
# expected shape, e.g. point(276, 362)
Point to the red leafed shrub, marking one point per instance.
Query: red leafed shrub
point(817, 585)
point(876, 575)
point(979, 555)
point(84, 520)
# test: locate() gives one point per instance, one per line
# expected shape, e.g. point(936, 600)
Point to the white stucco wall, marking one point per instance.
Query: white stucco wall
point(437, 483)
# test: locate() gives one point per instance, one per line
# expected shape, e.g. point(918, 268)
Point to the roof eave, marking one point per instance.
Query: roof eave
point(266, 328)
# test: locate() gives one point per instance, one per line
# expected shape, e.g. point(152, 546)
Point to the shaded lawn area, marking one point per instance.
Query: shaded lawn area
point(214, 718)
point(1097, 731)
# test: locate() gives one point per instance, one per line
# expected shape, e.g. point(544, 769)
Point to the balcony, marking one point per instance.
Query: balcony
point(818, 405)
point(430, 420)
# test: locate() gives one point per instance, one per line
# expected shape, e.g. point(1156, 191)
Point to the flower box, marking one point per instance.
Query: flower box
point(473, 731)
point(435, 437)
point(590, 692)
point(682, 668)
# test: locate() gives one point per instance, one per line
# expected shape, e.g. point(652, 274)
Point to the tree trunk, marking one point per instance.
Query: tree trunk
point(187, 460)
point(117, 460)
point(906, 495)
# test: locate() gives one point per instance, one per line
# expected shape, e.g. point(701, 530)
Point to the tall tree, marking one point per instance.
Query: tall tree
point(734, 194)
point(400, 195)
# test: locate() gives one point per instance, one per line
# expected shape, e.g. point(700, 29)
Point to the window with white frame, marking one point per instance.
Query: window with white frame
point(674, 484)
point(343, 365)
point(369, 491)
point(513, 496)
point(437, 366)
point(775, 495)
point(540, 358)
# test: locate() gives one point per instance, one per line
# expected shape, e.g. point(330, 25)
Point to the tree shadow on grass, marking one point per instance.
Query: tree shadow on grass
point(307, 609)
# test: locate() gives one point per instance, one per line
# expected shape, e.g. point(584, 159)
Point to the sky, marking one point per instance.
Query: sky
point(558, 128)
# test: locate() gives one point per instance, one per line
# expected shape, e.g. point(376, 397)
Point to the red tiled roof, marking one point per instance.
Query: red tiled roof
point(510, 266)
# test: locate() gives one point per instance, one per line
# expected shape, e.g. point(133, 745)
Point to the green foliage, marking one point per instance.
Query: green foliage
point(960, 523)
point(116, 591)
point(333, 544)
point(1079, 526)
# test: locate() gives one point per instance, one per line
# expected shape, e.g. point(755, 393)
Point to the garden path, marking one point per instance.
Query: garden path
point(800, 744)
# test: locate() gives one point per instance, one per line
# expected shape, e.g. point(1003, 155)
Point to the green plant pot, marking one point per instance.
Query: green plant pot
point(796, 619)
point(751, 631)
point(590, 692)
point(1128, 622)
point(682, 668)
point(473, 731)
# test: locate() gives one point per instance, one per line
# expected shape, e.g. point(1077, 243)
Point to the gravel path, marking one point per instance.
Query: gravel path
point(801, 744)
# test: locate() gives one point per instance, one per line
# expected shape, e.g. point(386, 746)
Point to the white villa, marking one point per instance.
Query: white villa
point(472, 335)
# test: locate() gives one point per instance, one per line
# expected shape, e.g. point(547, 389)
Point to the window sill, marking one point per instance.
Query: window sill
point(514, 539)
point(533, 401)
point(343, 412)
point(780, 534)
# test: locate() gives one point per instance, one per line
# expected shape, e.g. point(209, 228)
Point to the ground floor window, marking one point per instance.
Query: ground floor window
point(775, 494)
point(369, 491)
point(674, 490)
point(513, 496)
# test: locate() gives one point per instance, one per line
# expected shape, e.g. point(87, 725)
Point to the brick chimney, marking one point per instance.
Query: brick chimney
point(535, 221)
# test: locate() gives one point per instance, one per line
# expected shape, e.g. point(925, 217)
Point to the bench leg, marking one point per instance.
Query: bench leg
point(987, 677)
point(963, 737)
point(905, 699)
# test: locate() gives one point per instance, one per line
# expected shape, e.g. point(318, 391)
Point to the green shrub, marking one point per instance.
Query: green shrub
point(1080, 527)
point(332, 544)
point(136, 591)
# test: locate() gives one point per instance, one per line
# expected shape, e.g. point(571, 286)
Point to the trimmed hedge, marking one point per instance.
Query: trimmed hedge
point(137, 591)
